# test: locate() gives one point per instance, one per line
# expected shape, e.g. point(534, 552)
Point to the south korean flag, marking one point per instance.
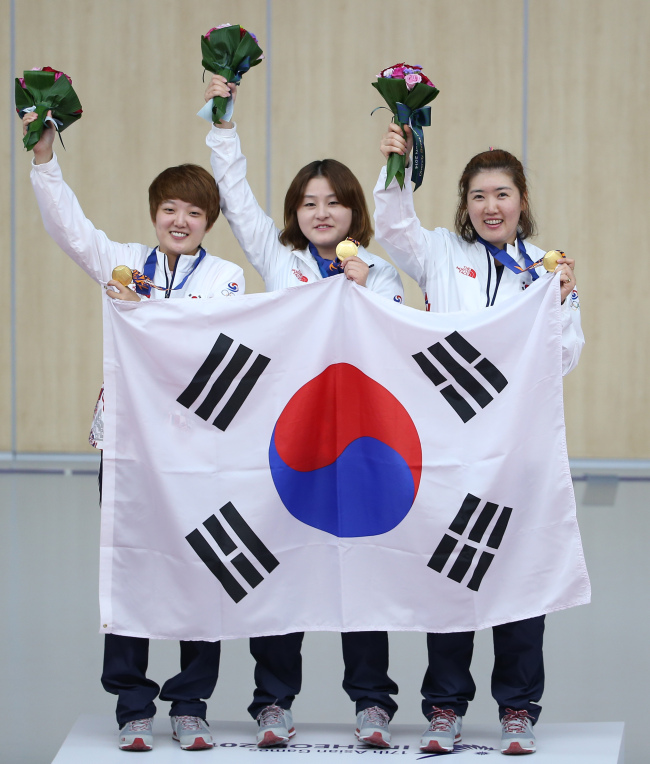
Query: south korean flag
point(274, 460)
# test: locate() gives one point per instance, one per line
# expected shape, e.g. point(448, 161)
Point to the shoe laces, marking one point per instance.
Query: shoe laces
point(376, 715)
point(442, 720)
point(270, 715)
point(189, 722)
point(516, 721)
point(139, 725)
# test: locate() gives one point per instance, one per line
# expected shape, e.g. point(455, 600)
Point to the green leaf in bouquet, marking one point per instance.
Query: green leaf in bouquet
point(392, 91)
point(219, 48)
point(420, 96)
point(23, 97)
point(39, 83)
point(395, 168)
point(249, 49)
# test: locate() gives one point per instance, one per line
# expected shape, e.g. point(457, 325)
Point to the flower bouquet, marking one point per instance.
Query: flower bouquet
point(229, 50)
point(42, 90)
point(407, 90)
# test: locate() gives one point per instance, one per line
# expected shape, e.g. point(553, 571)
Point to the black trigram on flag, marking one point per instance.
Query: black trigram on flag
point(223, 381)
point(461, 375)
point(233, 568)
point(478, 540)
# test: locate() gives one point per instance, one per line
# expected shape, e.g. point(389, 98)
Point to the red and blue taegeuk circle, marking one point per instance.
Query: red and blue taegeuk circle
point(345, 455)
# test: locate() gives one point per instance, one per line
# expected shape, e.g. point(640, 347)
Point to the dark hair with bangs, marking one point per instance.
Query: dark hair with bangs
point(190, 183)
point(348, 192)
point(501, 161)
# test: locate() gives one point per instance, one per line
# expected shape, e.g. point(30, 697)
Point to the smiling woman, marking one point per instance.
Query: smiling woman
point(183, 204)
point(493, 200)
point(181, 223)
point(180, 228)
point(323, 206)
point(486, 260)
point(494, 206)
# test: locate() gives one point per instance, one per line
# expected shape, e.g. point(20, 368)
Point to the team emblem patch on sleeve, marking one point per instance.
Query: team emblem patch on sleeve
point(232, 288)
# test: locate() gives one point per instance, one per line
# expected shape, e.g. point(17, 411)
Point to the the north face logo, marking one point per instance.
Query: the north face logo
point(466, 271)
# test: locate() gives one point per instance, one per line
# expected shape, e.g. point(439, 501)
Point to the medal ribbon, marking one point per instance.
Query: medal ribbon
point(144, 284)
point(503, 257)
point(416, 119)
point(326, 267)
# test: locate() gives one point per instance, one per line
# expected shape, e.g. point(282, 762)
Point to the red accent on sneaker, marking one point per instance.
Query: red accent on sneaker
point(435, 747)
point(376, 739)
point(516, 750)
point(137, 745)
point(199, 744)
point(270, 738)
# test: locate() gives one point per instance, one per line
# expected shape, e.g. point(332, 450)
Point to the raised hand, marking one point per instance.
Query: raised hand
point(394, 142)
point(43, 149)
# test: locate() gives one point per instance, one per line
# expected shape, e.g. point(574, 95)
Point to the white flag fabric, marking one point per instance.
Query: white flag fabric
point(320, 458)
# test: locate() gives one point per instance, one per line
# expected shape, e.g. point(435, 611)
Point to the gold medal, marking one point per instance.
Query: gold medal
point(123, 274)
point(551, 259)
point(345, 249)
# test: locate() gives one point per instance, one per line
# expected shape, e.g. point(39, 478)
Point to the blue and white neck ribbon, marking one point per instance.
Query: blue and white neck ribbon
point(150, 271)
point(510, 263)
point(326, 267)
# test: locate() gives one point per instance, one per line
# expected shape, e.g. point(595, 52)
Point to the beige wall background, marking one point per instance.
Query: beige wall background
point(579, 117)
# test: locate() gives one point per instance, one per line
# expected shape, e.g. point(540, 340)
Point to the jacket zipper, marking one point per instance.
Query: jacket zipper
point(168, 290)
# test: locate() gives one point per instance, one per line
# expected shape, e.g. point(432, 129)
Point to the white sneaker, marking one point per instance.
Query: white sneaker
point(443, 732)
point(372, 727)
point(517, 735)
point(275, 726)
point(136, 735)
point(191, 732)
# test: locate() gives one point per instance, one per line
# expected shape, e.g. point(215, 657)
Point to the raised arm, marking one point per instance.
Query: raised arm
point(397, 227)
point(253, 228)
point(64, 219)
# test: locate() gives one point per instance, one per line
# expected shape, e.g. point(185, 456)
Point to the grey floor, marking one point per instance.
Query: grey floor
point(597, 656)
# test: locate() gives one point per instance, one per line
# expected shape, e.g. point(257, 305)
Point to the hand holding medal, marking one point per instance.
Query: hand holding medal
point(348, 262)
point(121, 278)
point(347, 248)
point(553, 261)
point(556, 261)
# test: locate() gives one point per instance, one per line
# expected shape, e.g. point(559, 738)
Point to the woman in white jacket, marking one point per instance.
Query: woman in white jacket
point(470, 269)
point(323, 206)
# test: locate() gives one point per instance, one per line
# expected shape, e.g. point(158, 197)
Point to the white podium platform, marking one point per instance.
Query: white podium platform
point(94, 739)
